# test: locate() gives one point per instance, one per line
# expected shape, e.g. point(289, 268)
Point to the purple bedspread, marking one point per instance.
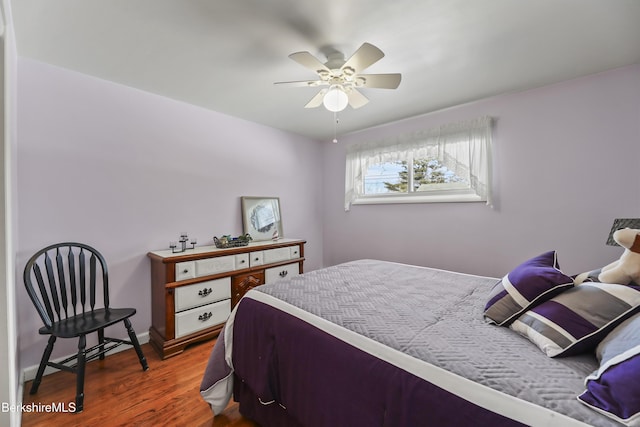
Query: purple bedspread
point(383, 344)
point(317, 380)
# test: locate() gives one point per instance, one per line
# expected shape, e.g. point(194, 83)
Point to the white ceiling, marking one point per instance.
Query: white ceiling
point(226, 55)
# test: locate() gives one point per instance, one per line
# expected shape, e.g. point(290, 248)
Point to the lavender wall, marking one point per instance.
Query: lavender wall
point(126, 171)
point(565, 164)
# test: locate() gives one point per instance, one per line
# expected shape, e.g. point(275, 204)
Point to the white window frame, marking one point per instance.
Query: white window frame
point(472, 137)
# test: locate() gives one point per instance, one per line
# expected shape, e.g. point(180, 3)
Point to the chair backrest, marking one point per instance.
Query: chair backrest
point(64, 279)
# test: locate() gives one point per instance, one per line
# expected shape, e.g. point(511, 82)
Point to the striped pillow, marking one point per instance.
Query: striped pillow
point(530, 283)
point(578, 319)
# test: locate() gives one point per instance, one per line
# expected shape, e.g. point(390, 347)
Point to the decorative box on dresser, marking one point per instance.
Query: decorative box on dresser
point(193, 292)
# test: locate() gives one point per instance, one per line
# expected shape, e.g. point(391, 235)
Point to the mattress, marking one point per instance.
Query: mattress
point(415, 323)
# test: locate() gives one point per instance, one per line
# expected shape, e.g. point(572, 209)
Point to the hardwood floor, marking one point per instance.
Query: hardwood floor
point(118, 393)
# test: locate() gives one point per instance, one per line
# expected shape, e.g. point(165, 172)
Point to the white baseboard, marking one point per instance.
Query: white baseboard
point(30, 372)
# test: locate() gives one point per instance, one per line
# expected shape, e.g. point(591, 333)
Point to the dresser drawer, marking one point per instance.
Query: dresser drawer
point(202, 293)
point(209, 266)
point(193, 320)
point(185, 270)
point(256, 258)
point(276, 255)
point(294, 252)
point(278, 273)
point(241, 261)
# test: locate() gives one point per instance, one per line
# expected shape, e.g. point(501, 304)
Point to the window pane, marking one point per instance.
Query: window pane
point(428, 174)
point(384, 178)
point(431, 174)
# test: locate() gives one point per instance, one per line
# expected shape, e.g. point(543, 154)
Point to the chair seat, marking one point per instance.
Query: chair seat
point(87, 322)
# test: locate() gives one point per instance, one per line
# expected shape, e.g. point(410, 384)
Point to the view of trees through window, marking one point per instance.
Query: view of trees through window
point(393, 177)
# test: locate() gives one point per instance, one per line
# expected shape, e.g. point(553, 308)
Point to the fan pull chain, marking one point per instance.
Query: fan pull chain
point(335, 127)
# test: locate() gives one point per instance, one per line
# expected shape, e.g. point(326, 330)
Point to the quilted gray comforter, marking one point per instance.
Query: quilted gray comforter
point(436, 316)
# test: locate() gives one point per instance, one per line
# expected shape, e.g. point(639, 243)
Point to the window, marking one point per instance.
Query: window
point(447, 164)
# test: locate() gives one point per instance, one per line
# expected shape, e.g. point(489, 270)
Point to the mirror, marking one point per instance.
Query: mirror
point(261, 217)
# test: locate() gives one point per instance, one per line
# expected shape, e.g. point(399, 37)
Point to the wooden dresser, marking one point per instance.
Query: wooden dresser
point(193, 292)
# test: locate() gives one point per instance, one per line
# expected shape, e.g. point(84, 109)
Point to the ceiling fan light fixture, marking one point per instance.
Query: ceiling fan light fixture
point(335, 99)
point(342, 79)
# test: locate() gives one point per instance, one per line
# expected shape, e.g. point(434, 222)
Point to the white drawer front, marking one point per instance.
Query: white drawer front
point(202, 293)
point(206, 267)
point(294, 252)
point(256, 258)
point(278, 273)
point(242, 261)
point(203, 317)
point(276, 255)
point(185, 270)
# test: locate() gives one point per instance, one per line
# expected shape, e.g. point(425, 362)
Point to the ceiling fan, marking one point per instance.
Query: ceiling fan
point(343, 78)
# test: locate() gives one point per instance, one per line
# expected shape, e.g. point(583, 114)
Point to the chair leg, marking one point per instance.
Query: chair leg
point(82, 343)
point(101, 342)
point(136, 344)
point(43, 365)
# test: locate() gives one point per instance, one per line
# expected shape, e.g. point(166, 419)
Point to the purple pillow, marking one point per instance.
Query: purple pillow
point(529, 284)
point(614, 389)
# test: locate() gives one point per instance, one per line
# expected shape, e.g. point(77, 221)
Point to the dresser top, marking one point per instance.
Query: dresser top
point(203, 251)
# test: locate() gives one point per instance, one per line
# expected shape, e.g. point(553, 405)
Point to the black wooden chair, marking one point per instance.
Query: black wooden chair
point(64, 281)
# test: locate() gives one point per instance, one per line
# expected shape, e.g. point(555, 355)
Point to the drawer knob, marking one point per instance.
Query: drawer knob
point(185, 271)
point(242, 261)
point(256, 259)
point(283, 273)
point(204, 292)
point(205, 316)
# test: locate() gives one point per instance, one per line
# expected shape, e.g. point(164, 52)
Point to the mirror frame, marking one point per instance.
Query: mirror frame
point(272, 231)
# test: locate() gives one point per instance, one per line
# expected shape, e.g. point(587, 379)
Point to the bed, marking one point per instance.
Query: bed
point(374, 343)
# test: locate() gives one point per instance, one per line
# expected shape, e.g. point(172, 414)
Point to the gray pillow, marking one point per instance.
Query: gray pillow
point(624, 337)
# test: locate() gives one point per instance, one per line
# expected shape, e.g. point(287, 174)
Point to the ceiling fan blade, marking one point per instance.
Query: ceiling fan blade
point(379, 81)
point(316, 101)
point(302, 83)
point(356, 99)
point(366, 55)
point(309, 61)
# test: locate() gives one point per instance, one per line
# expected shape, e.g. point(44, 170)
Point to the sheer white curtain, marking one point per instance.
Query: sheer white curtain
point(464, 148)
